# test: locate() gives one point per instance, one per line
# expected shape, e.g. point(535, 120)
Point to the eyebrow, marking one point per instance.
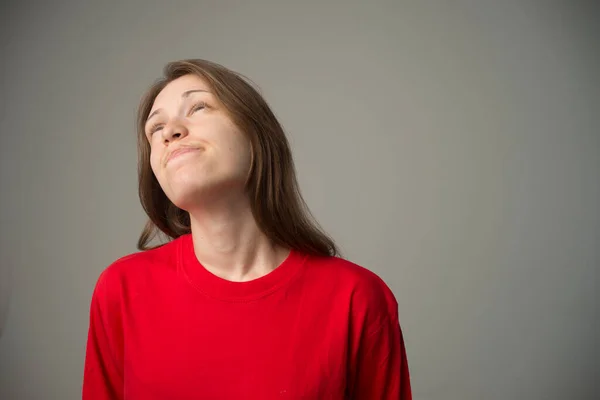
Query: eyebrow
point(184, 95)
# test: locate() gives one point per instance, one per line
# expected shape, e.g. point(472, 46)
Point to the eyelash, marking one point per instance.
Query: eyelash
point(196, 107)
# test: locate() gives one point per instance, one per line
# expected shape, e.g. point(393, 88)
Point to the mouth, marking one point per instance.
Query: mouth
point(179, 152)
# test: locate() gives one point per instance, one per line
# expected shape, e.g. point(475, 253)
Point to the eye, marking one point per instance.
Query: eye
point(154, 128)
point(197, 107)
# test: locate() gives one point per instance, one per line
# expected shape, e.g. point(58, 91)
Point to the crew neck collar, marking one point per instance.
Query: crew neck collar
point(226, 290)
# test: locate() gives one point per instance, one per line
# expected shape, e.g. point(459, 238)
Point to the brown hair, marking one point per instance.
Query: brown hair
point(277, 205)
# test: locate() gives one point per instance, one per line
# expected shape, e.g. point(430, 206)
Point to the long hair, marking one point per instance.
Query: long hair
point(276, 202)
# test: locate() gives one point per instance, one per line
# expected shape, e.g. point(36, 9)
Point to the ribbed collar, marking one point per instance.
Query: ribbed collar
point(222, 289)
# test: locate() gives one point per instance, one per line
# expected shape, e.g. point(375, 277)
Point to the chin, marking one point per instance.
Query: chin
point(187, 196)
point(188, 189)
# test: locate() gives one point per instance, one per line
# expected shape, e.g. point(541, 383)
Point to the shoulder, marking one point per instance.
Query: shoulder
point(134, 268)
point(369, 296)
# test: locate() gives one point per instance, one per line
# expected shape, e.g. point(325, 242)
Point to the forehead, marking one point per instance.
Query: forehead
point(173, 91)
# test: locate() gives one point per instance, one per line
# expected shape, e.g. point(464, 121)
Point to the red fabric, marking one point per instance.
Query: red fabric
point(163, 327)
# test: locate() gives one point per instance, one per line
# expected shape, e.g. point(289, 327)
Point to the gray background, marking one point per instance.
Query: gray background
point(453, 147)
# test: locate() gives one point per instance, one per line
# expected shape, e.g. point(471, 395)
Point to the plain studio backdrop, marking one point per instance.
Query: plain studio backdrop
point(453, 147)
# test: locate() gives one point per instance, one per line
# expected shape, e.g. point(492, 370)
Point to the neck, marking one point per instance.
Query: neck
point(229, 243)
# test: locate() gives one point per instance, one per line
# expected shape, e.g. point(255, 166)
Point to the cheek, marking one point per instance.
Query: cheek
point(246, 156)
point(240, 155)
point(155, 162)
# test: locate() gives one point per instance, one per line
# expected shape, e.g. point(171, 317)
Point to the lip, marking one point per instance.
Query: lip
point(179, 152)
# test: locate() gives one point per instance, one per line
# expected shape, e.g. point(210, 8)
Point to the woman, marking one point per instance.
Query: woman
point(249, 300)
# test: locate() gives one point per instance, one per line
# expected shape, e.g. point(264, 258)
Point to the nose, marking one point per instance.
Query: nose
point(174, 131)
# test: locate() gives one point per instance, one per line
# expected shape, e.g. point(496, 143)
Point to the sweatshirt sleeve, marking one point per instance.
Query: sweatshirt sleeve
point(382, 370)
point(103, 369)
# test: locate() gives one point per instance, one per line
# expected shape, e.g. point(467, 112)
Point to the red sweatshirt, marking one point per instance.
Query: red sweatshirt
point(164, 327)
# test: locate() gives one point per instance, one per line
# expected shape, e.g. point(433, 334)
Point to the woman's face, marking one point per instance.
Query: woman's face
point(197, 152)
